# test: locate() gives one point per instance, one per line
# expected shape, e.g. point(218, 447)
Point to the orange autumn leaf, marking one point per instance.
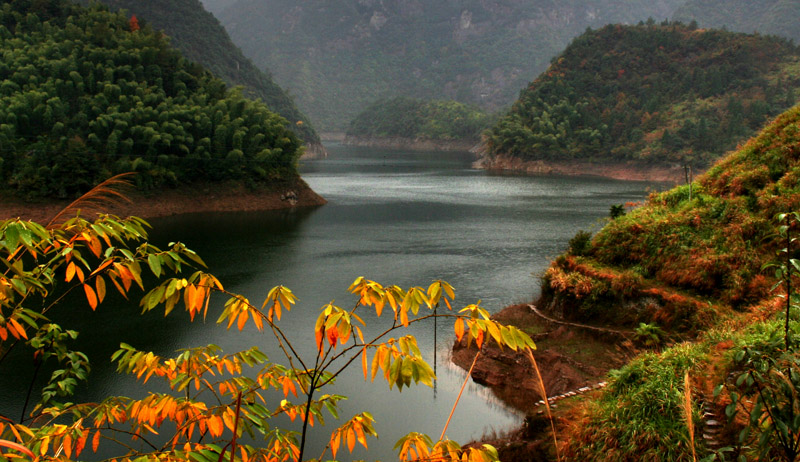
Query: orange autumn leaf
point(17, 447)
point(90, 296)
point(16, 329)
point(459, 328)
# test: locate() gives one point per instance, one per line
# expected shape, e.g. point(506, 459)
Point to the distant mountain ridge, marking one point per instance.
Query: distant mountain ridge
point(200, 36)
point(339, 57)
point(776, 17)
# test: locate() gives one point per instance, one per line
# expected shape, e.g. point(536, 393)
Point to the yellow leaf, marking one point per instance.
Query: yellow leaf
point(459, 329)
point(70, 271)
point(100, 284)
point(364, 362)
point(360, 434)
point(44, 445)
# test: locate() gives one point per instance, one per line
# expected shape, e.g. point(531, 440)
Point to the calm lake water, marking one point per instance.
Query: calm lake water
point(397, 217)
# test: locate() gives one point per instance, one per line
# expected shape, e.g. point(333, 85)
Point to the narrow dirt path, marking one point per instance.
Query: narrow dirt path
point(582, 326)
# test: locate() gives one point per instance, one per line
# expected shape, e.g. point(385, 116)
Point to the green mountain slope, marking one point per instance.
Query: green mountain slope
point(689, 262)
point(692, 253)
point(415, 119)
point(655, 94)
point(777, 17)
point(201, 38)
point(339, 57)
point(85, 94)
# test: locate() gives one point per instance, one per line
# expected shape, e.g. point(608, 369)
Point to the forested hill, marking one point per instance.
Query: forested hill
point(86, 93)
point(201, 38)
point(777, 17)
point(415, 119)
point(658, 94)
point(337, 57)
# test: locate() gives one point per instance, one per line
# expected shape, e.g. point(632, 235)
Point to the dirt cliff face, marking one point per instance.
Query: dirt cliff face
point(569, 358)
point(337, 57)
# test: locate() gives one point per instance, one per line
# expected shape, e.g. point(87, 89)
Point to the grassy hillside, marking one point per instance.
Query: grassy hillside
point(681, 262)
point(690, 262)
point(777, 17)
point(86, 94)
point(658, 94)
point(201, 38)
point(339, 57)
point(403, 117)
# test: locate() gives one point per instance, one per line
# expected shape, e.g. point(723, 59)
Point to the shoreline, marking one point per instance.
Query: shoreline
point(573, 362)
point(205, 197)
point(628, 171)
point(569, 357)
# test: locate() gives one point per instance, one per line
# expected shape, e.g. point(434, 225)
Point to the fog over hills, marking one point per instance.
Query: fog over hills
point(338, 57)
point(776, 17)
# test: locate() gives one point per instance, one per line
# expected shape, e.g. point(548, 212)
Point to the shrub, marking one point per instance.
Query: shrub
point(580, 244)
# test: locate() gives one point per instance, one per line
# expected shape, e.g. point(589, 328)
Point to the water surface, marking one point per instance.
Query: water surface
point(397, 217)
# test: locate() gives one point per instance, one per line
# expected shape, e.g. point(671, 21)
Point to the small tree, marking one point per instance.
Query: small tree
point(767, 385)
point(214, 398)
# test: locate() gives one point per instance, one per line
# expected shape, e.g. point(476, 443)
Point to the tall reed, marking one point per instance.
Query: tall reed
point(546, 402)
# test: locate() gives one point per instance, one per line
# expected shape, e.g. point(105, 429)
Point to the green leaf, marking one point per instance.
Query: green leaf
point(12, 236)
point(155, 264)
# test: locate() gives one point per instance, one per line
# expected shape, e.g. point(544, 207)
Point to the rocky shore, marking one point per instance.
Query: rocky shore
point(573, 361)
point(631, 171)
point(568, 358)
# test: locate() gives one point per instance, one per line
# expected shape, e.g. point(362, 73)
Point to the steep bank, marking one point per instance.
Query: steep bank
point(210, 197)
point(314, 151)
point(414, 144)
point(568, 358)
point(625, 170)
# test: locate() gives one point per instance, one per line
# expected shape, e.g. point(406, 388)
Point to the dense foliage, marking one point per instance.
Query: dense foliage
point(338, 57)
point(85, 93)
point(777, 17)
point(201, 38)
point(664, 93)
point(418, 119)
